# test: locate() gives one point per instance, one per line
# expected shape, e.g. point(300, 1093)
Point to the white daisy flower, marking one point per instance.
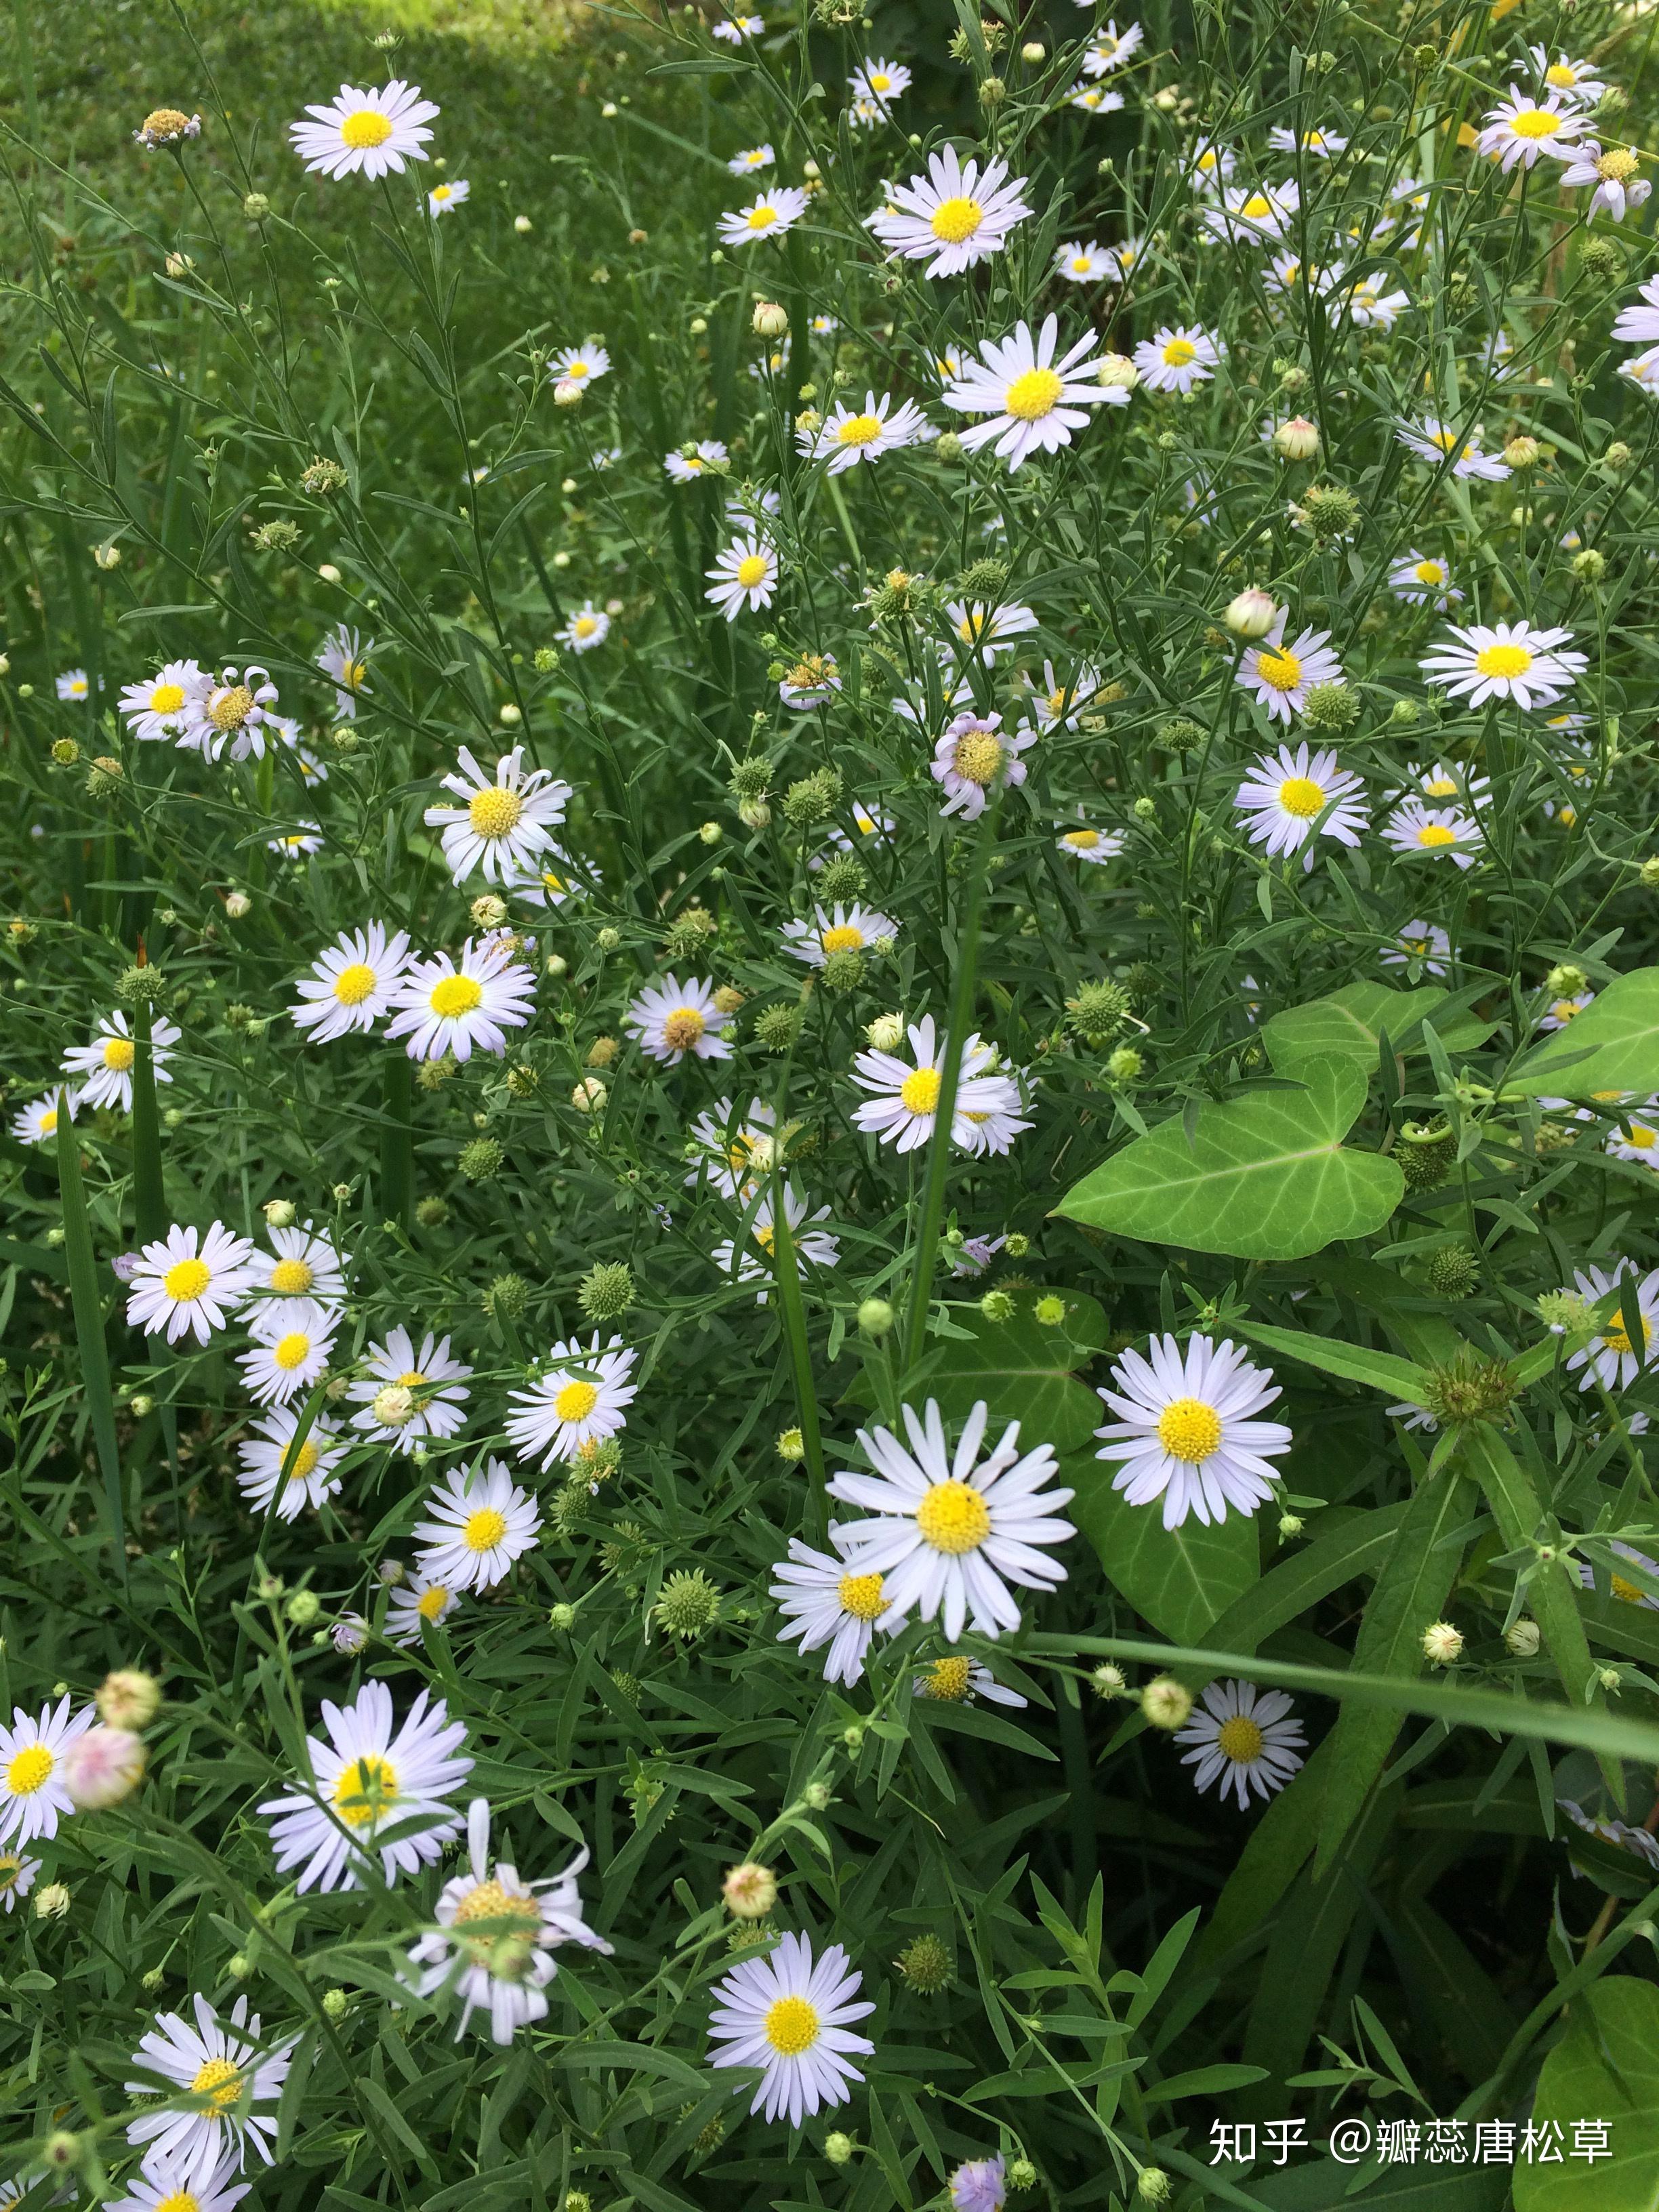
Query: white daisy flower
point(364, 1781)
point(956, 1679)
point(238, 2074)
point(1323, 145)
point(730, 1152)
point(818, 1247)
point(847, 435)
point(1092, 845)
point(1288, 794)
point(1211, 164)
point(879, 82)
point(975, 756)
point(1621, 1586)
point(1504, 660)
point(1610, 1356)
point(264, 1451)
point(1287, 275)
point(1370, 306)
point(1637, 1137)
point(1643, 370)
point(405, 1399)
point(1244, 1737)
point(588, 627)
point(1111, 48)
point(1423, 580)
point(552, 883)
point(504, 820)
point(1032, 399)
point(445, 199)
point(496, 1935)
point(481, 1522)
point(788, 2014)
point(822, 1600)
point(689, 467)
point(744, 574)
point(417, 1604)
point(669, 1020)
point(154, 709)
point(1177, 357)
point(231, 714)
point(105, 1065)
point(752, 158)
point(32, 1791)
point(1561, 1013)
point(734, 29)
point(290, 1352)
point(985, 629)
point(846, 929)
point(367, 132)
point(1058, 704)
point(295, 844)
point(17, 1873)
point(345, 656)
point(37, 1122)
point(1447, 784)
point(1439, 833)
point(1281, 675)
point(1250, 215)
point(162, 2185)
point(1093, 99)
point(954, 1531)
point(814, 680)
point(1085, 264)
point(871, 826)
point(1432, 439)
point(1613, 174)
point(352, 984)
point(1185, 1431)
point(581, 1397)
point(73, 683)
point(1521, 127)
point(305, 1270)
point(583, 364)
point(1424, 943)
point(1580, 81)
point(952, 218)
point(768, 216)
point(905, 1104)
point(443, 1004)
point(180, 1285)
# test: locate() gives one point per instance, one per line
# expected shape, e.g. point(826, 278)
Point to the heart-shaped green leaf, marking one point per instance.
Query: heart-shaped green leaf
point(1183, 1580)
point(1024, 1368)
point(1605, 2067)
point(1613, 1046)
point(1350, 1023)
point(1265, 1177)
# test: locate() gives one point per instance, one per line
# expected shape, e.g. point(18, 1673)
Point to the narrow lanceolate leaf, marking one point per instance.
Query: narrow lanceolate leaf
point(1613, 1046)
point(1354, 1363)
point(1410, 1592)
point(1263, 1177)
point(149, 1205)
point(88, 1311)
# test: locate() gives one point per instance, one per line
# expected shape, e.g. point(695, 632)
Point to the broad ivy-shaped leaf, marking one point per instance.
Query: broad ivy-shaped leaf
point(1614, 1045)
point(1265, 1176)
point(1349, 1024)
point(1025, 1371)
point(1606, 2067)
point(1183, 1580)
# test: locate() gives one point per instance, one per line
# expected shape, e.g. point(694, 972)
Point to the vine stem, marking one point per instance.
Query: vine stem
point(939, 1150)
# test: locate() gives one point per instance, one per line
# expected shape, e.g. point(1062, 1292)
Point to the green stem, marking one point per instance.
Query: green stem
point(397, 1138)
point(149, 1205)
point(939, 1150)
point(786, 1274)
point(90, 1326)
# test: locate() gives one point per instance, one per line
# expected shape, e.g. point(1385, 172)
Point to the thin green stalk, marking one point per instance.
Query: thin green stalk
point(20, 10)
point(397, 1138)
point(90, 1326)
point(786, 1273)
point(939, 1152)
point(149, 1205)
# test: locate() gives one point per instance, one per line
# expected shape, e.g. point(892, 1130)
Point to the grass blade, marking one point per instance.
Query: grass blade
point(89, 1325)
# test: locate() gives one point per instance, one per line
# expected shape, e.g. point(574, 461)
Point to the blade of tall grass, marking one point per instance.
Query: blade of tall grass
point(90, 1326)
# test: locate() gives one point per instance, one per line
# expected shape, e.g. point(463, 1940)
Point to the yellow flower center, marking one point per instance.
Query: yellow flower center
point(1081, 841)
point(977, 757)
point(948, 1680)
point(683, 1029)
point(919, 1091)
point(1560, 76)
point(1534, 123)
point(1616, 1336)
point(844, 939)
point(494, 812)
point(167, 698)
point(521, 1922)
point(791, 2026)
point(292, 1350)
point(881, 81)
point(1435, 837)
point(484, 1530)
point(455, 994)
point(1301, 796)
point(860, 430)
point(305, 1461)
point(365, 127)
point(1444, 438)
point(1627, 1592)
point(862, 1596)
point(1034, 395)
point(575, 1402)
point(766, 1236)
point(219, 2082)
point(751, 570)
point(1502, 660)
point(1190, 1430)
point(29, 1769)
point(48, 1123)
point(180, 2200)
point(584, 625)
point(761, 217)
point(1641, 1140)
point(414, 1380)
point(185, 1281)
point(11, 1865)
point(1430, 572)
point(1617, 165)
point(368, 1786)
point(1081, 264)
point(956, 219)
point(1256, 206)
point(1240, 1739)
point(119, 1053)
point(1279, 669)
point(431, 1602)
point(229, 709)
point(1564, 1010)
point(442, 192)
point(292, 1279)
point(1178, 352)
point(1439, 787)
point(953, 1517)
